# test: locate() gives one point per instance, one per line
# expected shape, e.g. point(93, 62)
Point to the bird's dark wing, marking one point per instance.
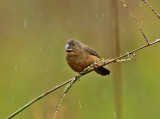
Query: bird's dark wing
point(91, 52)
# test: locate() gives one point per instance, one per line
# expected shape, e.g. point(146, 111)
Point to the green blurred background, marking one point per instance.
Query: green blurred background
point(32, 59)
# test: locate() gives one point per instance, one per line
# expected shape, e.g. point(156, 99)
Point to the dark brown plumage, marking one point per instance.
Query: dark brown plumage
point(79, 56)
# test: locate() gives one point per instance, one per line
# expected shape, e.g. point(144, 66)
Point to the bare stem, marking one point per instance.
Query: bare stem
point(59, 104)
point(65, 92)
point(38, 98)
point(155, 12)
point(133, 17)
point(120, 57)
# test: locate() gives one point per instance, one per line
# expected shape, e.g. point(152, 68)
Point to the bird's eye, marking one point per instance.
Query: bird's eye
point(73, 45)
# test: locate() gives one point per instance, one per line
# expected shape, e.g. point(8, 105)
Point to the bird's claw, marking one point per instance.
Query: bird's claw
point(77, 78)
point(95, 64)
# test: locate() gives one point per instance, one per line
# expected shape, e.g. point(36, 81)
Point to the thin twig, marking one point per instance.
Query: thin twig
point(133, 16)
point(38, 98)
point(59, 104)
point(120, 57)
point(83, 73)
point(155, 12)
point(66, 90)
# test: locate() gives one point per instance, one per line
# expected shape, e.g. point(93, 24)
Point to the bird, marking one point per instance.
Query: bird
point(79, 56)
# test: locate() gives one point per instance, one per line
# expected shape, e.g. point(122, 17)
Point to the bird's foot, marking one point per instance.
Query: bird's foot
point(77, 78)
point(95, 64)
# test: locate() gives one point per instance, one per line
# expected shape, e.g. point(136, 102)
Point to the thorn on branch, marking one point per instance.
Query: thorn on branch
point(133, 54)
point(144, 1)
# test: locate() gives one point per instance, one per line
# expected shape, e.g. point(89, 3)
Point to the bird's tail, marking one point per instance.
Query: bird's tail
point(102, 71)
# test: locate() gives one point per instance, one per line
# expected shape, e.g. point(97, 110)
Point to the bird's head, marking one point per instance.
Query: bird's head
point(73, 45)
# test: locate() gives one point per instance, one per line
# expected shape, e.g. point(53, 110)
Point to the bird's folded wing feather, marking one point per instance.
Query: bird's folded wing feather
point(91, 52)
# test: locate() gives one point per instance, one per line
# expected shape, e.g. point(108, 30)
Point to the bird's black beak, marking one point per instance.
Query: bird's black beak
point(68, 48)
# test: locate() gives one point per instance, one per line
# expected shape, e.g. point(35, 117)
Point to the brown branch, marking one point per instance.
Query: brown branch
point(133, 17)
point(120, 57)
point(38, 98)
point(71, 80)
point(155, 12)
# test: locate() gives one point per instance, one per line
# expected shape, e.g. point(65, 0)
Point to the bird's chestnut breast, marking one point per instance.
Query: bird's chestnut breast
point(79, 61)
